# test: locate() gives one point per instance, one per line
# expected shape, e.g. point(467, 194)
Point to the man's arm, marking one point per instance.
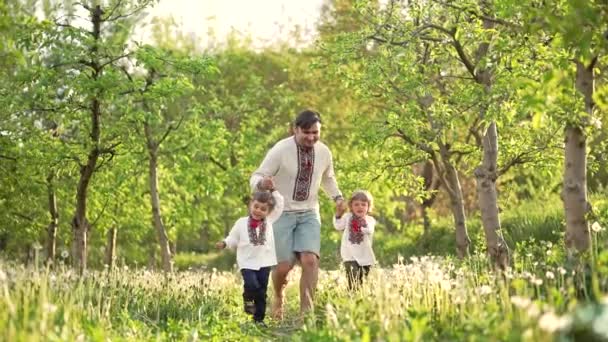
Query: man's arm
point(330, 186)
point(269, 167)
point(278, 207)
point(329, 182)
point(340, 222)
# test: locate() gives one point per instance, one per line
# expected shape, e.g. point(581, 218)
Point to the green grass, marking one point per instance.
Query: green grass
point(420, 299)
point(547, 295)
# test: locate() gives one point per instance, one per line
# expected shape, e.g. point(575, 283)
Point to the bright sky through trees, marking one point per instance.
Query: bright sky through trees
point(266, 21)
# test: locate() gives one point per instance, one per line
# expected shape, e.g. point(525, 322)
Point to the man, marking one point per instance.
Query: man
point(297, 167)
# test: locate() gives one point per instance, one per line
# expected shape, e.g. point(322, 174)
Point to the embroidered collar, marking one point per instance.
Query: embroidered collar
point(355, 225)
point(256, 230)
point(303, 181)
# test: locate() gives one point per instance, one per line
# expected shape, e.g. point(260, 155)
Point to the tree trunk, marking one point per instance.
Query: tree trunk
point(574, 193)
point(486, 175)
point(152, 258)
point(80, 224)
point(205, 237)
point(431, 185)
point(163, 238)
point(111, 248)
point(51, 241)
point(457, 204)
point(449, 177)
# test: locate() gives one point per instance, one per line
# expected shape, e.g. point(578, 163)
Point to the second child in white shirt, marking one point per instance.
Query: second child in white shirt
point(356, 247)
point(253, 238)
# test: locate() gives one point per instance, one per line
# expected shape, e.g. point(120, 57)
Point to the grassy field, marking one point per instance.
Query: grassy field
point(547, 295)
point(420, 299)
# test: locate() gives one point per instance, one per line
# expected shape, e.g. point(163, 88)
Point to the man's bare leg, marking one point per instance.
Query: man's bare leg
point(308, 281)
point(279, 281)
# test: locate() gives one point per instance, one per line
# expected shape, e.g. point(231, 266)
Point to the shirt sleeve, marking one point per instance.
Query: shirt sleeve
point(371, 225)
point(340, 223)
point(232, 240)
point(328, 180)
point(269, 167)
point(278, 207)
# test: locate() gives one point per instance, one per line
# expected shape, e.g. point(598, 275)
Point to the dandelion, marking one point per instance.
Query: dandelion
point(536, 281)
point(561, 270)
point(596, 227)
point(533, 311)
point(550, 275)
point(65, 254)
point(600, 324)
point(521, 302)
point(484, 290)
point(551, 322)
point(330, 313)
point(49, 308)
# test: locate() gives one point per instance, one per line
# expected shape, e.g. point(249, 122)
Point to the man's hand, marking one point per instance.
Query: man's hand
point(267, 183)
point(220, 245)
point(340, 207)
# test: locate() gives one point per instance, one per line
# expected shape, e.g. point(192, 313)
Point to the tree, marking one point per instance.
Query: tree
point(576, 31)
point(86, 63)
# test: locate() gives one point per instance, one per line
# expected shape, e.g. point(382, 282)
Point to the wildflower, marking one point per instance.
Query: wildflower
point(551, 322)
point(65, 254)
point(550, 275)
point(331, 315)
point(49, 308)
point(561, 270)
point(521, 302)
point(596, 227)
point(536, 281)
point(533, 310)
point(600, 324)
point(484, 290)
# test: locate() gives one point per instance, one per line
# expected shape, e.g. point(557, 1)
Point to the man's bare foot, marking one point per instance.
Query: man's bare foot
point(277, 308)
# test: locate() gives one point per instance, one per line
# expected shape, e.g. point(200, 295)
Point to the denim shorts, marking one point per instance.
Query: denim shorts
point(297, 231)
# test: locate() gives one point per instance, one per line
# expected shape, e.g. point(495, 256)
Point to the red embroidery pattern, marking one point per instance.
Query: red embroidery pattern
point(355, 234)
point(306, 162)
point(257, 231)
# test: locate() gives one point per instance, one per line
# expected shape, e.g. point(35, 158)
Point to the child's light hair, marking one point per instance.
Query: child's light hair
point(364, 196)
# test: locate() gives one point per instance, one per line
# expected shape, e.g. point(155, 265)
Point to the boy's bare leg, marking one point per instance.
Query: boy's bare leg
point(308, 281)
point(279, 281)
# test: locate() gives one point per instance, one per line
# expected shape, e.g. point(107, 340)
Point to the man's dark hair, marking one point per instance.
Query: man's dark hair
point(307, 118)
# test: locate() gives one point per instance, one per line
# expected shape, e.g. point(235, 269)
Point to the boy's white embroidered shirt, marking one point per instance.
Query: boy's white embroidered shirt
point(281, 162)
point(362, 253)
point(250, 256)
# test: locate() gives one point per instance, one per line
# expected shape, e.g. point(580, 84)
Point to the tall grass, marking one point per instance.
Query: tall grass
point(548, 294)
point(416, 299)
